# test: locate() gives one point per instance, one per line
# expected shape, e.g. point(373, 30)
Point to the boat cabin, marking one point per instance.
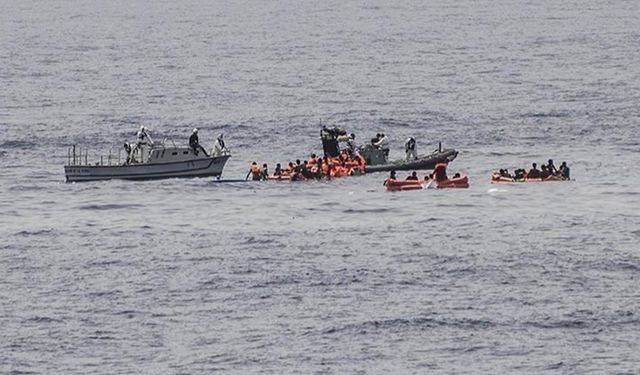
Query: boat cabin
point(174, 154)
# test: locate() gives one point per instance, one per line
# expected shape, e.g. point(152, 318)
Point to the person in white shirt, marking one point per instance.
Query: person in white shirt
point(410, 149)
point(219, 147)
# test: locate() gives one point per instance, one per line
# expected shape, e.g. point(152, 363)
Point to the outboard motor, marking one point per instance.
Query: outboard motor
point(330, 141)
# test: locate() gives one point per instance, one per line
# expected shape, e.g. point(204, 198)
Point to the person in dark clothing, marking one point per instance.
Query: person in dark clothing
point(127, 150)
point(413, 177)
point(319, 166)
point(304, 170)
point(552, 168)
point(545, 172)
point(534, 172)
point(264, 175)
point(376, 139)
point(195, 144)
point(278, 171)
point(565, 172)
point(392, 177)
point(519, 174)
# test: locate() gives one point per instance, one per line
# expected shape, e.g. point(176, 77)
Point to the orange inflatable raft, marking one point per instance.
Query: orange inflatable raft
point(400, 185)
point(461, 182)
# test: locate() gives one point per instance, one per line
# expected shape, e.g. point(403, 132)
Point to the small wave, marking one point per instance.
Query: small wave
point(103, 294)
point(105, 263)
point(403, 324)
point(552, 114)
point(101, 207)
point(43, 319)
point(559, 324)
point(34, 232)
point(128, 313)
point(365, 210)
point(17, 144)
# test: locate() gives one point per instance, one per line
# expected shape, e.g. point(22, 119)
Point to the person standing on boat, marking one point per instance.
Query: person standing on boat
point(143, 137)
point(410, 149)
point(383, 144)
point(219, 147)
point(194, 143)
point(351, 144)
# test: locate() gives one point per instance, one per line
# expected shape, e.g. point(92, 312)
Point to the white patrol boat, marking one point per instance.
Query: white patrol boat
point(146, 162)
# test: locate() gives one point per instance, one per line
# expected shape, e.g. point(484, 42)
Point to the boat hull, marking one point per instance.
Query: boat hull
point(205, 167)
point(423, 162)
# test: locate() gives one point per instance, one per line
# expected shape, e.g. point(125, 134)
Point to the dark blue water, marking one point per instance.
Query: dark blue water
point(192, 276)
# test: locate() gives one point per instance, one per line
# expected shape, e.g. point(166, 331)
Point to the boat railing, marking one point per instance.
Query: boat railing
point(78, 156)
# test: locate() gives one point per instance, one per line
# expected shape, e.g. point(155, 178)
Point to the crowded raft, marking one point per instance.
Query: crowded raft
point(547, 172)
point(347, 163)
point(438, 179)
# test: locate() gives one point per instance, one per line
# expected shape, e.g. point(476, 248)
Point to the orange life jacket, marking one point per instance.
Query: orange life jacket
point(440, 172)
point(255, 170)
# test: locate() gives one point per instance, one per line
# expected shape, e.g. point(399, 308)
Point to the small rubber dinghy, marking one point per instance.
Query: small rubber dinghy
point(401, 185)
point(461, 182)
point(496, 178)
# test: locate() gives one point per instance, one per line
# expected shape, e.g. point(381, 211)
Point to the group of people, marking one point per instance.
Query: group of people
point(346, 164)
point(143, 139)
point(546, 171)
point(219, 148)
point(439, 174)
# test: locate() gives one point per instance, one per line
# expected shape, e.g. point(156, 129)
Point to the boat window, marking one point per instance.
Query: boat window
point(174, 153)
point(185, 152)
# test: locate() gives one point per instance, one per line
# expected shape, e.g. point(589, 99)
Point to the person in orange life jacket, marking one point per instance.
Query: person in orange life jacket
point(291, 168)
point(440, 171)
point(534, 172)
point(413, 177)
point(392, 177)
point(255, 172)
point(344, 157)
point(313, 159)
